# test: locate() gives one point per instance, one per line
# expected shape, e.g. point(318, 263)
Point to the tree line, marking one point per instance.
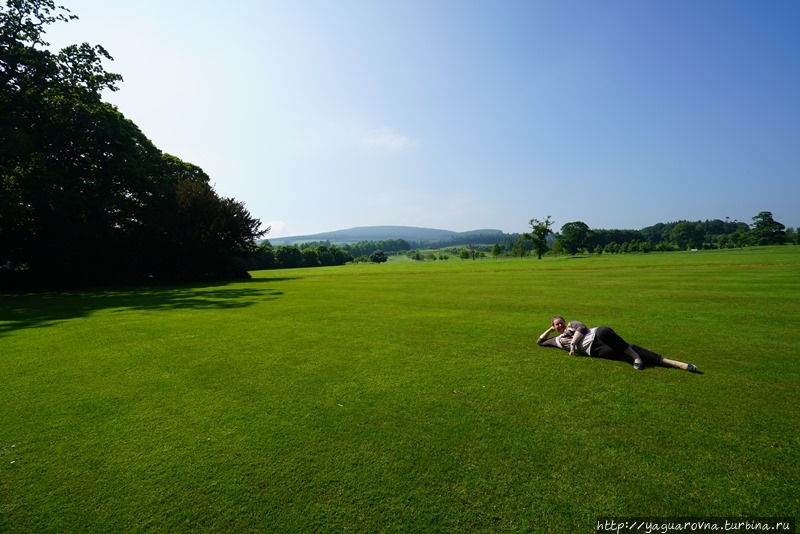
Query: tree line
point(577, 237)
point(291, 256)
point(321, 253)
point(460, 240)
point(574, 237)
point(85, 196)
point(365, 248)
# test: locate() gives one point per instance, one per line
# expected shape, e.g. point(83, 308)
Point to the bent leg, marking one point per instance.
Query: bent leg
point(608, 344)
point(648, 356)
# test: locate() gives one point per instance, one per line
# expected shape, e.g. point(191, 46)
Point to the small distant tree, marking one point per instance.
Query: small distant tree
point(496, 250)
point(538, 235)
point(463, 254)
point(378, 257)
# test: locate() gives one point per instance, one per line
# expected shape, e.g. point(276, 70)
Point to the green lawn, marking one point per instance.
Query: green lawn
point(404, 397)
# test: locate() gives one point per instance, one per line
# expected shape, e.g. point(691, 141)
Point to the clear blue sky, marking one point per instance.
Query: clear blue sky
point(460, 115)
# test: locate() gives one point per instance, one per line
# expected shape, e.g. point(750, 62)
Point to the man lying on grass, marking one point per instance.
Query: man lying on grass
point(602, 342)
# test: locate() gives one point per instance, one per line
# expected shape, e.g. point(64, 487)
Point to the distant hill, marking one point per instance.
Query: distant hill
point(380, 233)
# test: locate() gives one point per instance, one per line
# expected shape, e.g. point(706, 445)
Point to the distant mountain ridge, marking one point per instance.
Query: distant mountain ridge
point(380, 233)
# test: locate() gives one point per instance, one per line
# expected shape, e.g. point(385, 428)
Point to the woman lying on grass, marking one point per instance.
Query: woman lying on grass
point(602, 342)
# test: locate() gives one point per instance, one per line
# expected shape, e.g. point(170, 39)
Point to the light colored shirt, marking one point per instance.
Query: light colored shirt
point(563, 341)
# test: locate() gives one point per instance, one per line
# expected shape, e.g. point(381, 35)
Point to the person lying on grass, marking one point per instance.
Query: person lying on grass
point(602, 342)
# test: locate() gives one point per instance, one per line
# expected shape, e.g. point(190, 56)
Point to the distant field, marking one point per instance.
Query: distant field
point(404, 397)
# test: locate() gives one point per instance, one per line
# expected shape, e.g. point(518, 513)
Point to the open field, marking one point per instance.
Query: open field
point(404, 397)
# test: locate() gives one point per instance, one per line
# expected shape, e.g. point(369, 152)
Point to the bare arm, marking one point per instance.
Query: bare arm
point(576, 339)
point(580, 331)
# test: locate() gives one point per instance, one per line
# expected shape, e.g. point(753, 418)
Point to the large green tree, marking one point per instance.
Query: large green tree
point(574, 236)
point(540, 230)
point(83, 193)
point(687, 234)
point(766, 230)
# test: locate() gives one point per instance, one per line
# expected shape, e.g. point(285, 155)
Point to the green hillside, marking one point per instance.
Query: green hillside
point(379, 233)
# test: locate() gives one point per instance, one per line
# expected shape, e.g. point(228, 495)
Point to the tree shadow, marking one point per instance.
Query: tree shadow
point(41, 309)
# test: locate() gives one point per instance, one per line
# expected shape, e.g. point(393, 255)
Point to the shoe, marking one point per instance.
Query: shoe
point(639, 366)
point(692, 368)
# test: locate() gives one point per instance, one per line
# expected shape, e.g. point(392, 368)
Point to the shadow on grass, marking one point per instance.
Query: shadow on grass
point(41, 309)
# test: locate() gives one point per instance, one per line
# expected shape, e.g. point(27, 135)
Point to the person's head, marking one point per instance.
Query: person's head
point(559, 324)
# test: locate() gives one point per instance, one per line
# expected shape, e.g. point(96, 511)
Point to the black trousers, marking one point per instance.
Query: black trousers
point(608, 344)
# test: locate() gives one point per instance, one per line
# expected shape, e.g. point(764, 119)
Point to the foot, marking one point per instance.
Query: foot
point(638, 364)
point(692, 368)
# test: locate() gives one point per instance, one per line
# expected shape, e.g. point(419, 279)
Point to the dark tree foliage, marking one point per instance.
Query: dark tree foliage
point(288, 256)
point(84, 195)
point(365, 248)
point(332, 255)
point(767, 231)
point(309, 258)
point(680, 235)
point(687, 235)
point(262, 259)
point(601, 238)
point(457, 241)
point(378, 257)
point(574, 236)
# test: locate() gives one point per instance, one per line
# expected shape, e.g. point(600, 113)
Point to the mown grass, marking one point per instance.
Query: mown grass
point(403, 397)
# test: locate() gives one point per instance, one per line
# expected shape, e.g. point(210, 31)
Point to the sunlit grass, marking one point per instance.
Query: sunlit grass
point(404, 396)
